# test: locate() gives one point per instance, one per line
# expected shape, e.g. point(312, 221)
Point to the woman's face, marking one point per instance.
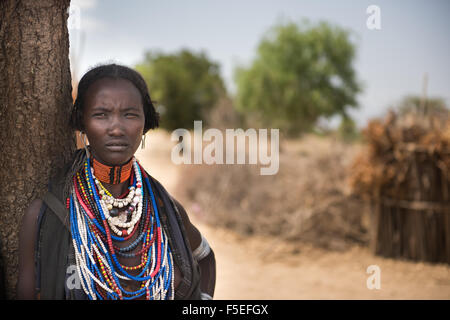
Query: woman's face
point(113, 119)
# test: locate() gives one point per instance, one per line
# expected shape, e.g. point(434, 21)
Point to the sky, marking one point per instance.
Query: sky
point(413, 39)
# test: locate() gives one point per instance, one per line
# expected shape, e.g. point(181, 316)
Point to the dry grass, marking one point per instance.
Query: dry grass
point(307, 200)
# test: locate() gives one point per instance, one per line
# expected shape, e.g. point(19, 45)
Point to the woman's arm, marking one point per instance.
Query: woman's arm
point(27, 240)
point(207, 262)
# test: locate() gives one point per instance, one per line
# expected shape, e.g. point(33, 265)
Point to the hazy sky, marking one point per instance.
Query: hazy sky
point(414, 38)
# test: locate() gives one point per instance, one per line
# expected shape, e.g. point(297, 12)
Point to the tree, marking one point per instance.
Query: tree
point(300, 72)
point(35, 102)
point(347, 130)
point(422, 105)
point(185, 86)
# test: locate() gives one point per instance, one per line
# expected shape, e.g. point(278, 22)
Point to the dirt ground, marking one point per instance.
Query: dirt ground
point(265, 268)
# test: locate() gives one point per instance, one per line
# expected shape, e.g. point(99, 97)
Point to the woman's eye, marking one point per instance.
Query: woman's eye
point(131, 115)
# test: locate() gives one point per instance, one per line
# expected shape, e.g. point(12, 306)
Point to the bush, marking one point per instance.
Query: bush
point(306, 200)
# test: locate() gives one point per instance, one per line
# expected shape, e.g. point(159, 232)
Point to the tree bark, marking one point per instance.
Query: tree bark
point(35, 102)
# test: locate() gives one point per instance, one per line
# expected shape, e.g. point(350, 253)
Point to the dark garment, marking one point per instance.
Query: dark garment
point(55, 255)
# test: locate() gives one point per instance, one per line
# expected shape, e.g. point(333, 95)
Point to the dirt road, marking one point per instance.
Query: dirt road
point(264, 268)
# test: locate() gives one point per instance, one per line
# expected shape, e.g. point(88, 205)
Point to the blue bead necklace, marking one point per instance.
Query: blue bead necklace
point(93, 229)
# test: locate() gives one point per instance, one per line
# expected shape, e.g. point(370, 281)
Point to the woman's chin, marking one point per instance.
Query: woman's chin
point(114, 159)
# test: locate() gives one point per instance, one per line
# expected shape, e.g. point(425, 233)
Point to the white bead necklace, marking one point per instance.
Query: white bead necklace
point(89, 253)
point(108, 202)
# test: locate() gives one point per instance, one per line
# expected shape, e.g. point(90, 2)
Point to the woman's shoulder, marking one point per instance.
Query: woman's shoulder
point(32, 212)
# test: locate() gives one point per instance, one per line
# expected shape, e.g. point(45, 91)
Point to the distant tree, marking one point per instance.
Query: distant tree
point(185, 86)
point(431, 106)
point(347, 130)
point(300, 73)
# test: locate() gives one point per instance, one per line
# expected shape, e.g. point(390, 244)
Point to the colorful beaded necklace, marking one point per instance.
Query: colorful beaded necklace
point(112, 174)
point(94, 226)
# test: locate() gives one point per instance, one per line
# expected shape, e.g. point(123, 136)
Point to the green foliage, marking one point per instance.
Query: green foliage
point(430, 106)
point(347, 130)
point(185, 85)
point(301, 72)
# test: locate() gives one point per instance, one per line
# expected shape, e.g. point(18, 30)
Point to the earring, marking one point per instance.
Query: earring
point(143, 142)
point(83, 138)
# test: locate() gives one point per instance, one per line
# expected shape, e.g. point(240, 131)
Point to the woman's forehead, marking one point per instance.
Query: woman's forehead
point(112, 88)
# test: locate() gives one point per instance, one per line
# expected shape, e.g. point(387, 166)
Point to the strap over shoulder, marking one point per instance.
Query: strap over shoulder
point(58, 208)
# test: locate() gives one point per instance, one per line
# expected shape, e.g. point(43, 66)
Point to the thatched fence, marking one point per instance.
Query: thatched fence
point(405, 176)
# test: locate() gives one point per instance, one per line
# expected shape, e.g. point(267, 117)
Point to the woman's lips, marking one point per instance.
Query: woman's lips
point(116, 147)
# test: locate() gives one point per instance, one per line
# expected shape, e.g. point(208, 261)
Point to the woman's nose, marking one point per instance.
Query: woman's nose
point(115, 127)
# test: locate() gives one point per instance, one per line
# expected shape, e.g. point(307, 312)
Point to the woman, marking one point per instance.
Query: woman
point(106, 229)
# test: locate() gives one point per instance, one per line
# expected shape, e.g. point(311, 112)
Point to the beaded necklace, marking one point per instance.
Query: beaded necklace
point(95, 223)
point(114, 174)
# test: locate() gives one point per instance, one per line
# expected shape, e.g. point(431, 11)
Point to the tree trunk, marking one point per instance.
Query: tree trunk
point(35, 102)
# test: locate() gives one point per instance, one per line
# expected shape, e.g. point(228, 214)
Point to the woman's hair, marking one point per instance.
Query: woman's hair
point(113, 71)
